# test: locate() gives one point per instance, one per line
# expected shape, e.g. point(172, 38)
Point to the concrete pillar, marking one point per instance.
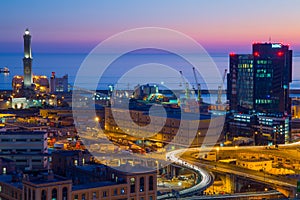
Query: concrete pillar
point(168, 169)
point(230, 183)
point(173, 170)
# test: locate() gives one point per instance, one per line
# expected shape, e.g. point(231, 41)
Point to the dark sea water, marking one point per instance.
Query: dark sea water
point(61, 64)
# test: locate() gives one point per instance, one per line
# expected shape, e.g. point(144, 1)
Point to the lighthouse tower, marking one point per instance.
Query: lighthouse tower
point(27, 60)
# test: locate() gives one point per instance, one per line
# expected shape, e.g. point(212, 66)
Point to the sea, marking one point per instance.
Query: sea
point(163, 68)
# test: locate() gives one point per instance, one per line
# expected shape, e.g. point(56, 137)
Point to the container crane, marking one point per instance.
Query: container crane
point(198, 86)
point(220, 88)
point(186, 85)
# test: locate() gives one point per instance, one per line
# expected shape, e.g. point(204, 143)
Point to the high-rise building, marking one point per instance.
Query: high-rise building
point(27, 60)
point(272, 77)
point(258, 92)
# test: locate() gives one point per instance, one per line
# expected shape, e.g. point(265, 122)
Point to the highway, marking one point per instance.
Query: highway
point(233, 169)
point(205, 179)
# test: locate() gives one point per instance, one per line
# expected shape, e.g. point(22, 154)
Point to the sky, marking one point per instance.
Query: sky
point(78, 26)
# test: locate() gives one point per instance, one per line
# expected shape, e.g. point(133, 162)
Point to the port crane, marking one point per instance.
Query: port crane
point(198, 86)
point(186, 85)
point(220, 88)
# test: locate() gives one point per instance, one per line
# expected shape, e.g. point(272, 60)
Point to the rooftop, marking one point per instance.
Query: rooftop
point(93, 185)
point(136, 169)
point(91, 168)
point(43, 178)
point(8, 179)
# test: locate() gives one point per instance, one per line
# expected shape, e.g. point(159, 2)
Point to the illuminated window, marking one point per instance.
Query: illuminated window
point(4, 170)
point(123, 191)
point(132, 185)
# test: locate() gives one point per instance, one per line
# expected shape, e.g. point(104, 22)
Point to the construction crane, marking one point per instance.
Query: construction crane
point(198, 86)
point(220, 88)
point(186, 85)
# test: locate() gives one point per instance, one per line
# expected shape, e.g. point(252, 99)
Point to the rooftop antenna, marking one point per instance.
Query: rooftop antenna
point(270, 39)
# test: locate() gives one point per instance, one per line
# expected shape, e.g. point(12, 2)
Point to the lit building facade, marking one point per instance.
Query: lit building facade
point(81, 182)
point(169, 133)
point(49, 186)
point(258, 93)
point(40, 84)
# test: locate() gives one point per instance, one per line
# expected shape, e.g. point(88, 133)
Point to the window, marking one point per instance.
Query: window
point(44, 195)
point(123, 191)
point(35, 140)
point(21, 140)
point(35, 150)
point(151, 183)
point(54, 194)
point(4, 170)
point(115, 192)
point(65, 193)
point(132, 185)
point(0, 188)
point(104, 193)
point(150, 198)
point(29, 193)
point(94, 195)
point(7, 140)
point(76, 197)
point(25, 193)
point(142, 184)
point(83, 197)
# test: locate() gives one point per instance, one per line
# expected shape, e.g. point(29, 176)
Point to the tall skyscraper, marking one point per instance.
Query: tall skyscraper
point(258, 92)
point(272, 77)
point(27, 60)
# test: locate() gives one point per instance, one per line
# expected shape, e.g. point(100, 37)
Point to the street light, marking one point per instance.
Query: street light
point(198, 142)
point(254, 138)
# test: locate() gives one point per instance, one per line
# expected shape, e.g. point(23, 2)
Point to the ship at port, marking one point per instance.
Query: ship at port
point(4, 70)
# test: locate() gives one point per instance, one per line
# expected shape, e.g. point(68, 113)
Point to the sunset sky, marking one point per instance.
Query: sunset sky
point(219, 25)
